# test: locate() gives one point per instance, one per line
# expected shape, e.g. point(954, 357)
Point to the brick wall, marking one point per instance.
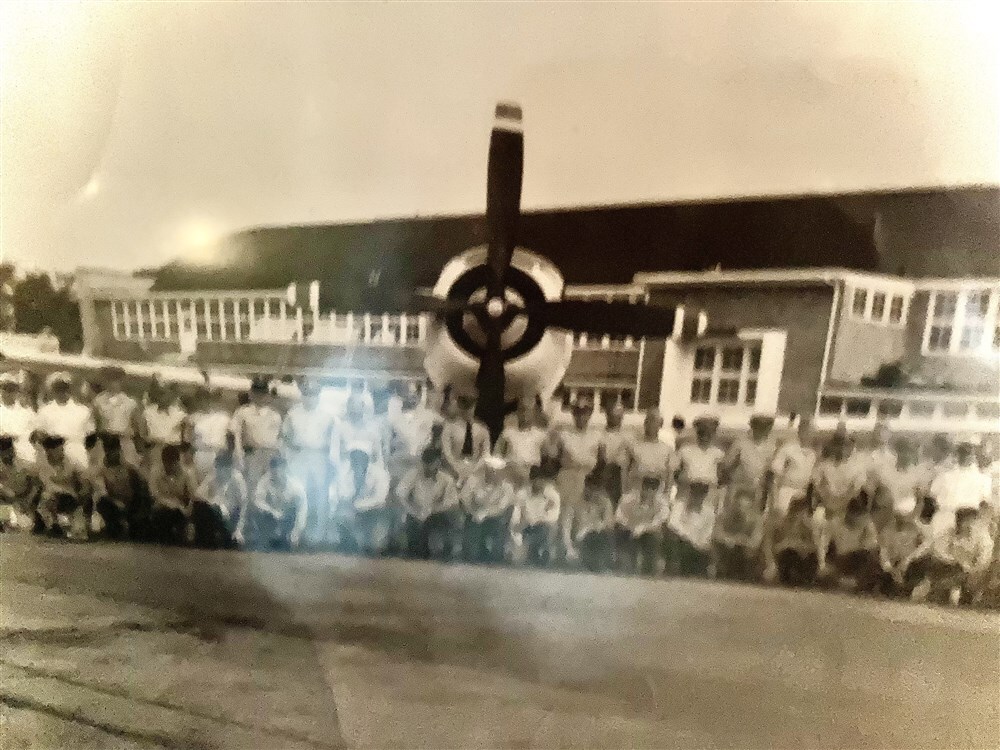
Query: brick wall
point(803, 311)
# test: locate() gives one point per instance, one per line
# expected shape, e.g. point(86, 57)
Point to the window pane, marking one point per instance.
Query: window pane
point(896, 310)
point(878, 305)
point(729, 391)
point(972, 337)
point(940, 338)
point(944, 305)
point(890, 408)
point(977, 302)
point(858, 407)
point(955, 409)
point(988, 410)
point(412, 330)
point(258, 308)
point(751, 395)
point(732, 359)
point(921, 409)
point(701, 390)
point(860, 301)
point(704, 358)
point(754, 352)
point(830, 405)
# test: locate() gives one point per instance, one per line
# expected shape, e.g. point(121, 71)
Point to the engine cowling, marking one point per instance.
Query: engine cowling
point(536, 358)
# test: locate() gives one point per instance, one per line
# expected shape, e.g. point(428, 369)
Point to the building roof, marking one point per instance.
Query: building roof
point(591, 246)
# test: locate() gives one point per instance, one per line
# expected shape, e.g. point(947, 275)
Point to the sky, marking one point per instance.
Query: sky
point(137, 133)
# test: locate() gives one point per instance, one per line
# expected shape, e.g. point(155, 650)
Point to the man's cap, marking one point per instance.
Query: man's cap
point(52, 441)
point(6, 442)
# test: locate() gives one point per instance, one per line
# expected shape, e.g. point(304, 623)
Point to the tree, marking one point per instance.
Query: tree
point(38, 304)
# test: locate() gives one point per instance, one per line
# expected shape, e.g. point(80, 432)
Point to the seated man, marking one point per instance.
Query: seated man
point(172, 489)
point(688, 538)
point(219, 503)
point(277, 515)
point(359, 498)
point(640, 517)
point(738, 535)
point(535, 522)
point(592, 535)
point(958, 561)
point(62, 503)
point(120, 495)
point(903, 545)
point(429, 497)
point(487, 498)
point(850, 558)
point(19, 487)
point(792, 550)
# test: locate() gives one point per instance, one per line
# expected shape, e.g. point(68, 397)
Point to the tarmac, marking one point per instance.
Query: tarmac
point(137, 646)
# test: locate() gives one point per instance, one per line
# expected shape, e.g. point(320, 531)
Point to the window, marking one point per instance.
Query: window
point(173, 319)
point(878, 306)
point(146, 309)
point(963, 322)
point(726, 374)
point(118, 319)
point(160, 319)
point(942, 320)
point(858, 407)
point(896, 309)
point(955, 410)
point(921, 409)
point(830, 405)
point(412, 329)
point(860, 302)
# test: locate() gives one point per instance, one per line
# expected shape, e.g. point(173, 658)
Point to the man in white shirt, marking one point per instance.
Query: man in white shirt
point(67, 418)
point(429, 497)
point(220, 500)
point(209, 432)
point(487, 498)
point(750, 457)
point(410, 432)
point(534, 523)
point(256, 429)
point(307, 431)
point(115, 413)
point(520, 445)
point(616, 442)
point(359, 499)
point(650, 456)
point(163, 422)
point(792, 469)
point(276, 517)
point(578, 450)
point(17, 421)
point(640, 517)
point(358, 430)
point(465, 440)
point(963, 486)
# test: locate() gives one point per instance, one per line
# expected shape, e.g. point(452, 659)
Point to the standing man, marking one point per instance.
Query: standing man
point(163, 423)
point(115, 414)
point(307, 432)
point(17, 421)
point(521, 445)
point(578, 450)
point(358, 430)
point(792, 469)
point(963, 486)
point(66, 418)
point(650, 456)
point(617, 443)
point(256, 429)
point(465, 441)
point(209, 432)
point(749, 459)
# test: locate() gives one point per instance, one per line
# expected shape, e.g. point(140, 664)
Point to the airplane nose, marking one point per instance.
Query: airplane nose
point(494, 308)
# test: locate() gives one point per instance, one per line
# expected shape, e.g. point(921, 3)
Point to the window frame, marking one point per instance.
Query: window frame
point(720, 379)
point(960, 321)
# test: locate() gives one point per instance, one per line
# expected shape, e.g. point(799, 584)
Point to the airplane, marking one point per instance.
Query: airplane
point(501, 329)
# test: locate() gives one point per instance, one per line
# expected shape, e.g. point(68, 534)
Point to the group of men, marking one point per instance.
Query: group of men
point(418, 476)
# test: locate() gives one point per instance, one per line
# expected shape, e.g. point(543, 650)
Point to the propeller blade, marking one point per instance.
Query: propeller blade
point(491, 384)
point(503, 192)
point(600, 317)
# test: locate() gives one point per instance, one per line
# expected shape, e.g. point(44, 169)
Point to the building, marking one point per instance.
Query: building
point(786, 341)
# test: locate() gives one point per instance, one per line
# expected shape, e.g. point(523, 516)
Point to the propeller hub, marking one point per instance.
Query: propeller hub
point(494, 307)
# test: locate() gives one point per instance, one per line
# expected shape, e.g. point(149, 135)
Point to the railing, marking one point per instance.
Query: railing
point(341, 329)
point(918, 410)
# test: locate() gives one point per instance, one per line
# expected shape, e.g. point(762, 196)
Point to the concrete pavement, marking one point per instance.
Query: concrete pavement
point(279, 650)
